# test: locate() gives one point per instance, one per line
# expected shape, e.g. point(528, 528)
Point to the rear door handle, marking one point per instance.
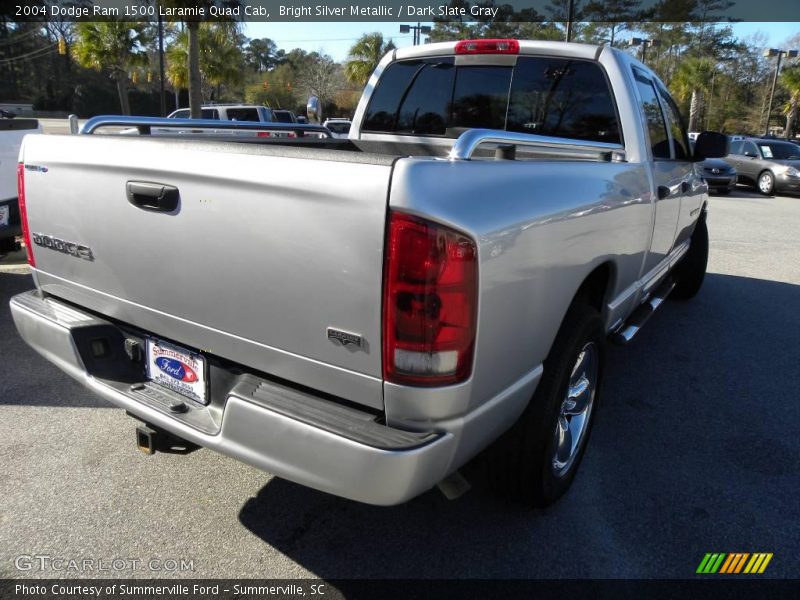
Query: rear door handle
point(152, 196)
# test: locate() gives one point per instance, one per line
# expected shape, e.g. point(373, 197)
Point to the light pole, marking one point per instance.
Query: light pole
point(162, 100)
point(570, 18)
point(418, 29)
point(769, 53)
point(645, 44)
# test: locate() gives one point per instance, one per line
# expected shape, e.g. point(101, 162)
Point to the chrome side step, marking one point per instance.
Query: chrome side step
point(626, 332)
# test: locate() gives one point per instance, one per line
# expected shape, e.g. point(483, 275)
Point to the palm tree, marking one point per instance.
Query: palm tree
point(115, 46)
point(692, 79)
point(365, 55)
point(790, 79)
point(220, 60)
point(194, 79)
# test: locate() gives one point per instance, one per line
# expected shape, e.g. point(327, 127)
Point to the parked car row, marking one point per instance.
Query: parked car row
point(770, 165)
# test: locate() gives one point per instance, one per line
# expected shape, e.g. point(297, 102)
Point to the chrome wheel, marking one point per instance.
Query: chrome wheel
point(765, 183)
point(576, 410)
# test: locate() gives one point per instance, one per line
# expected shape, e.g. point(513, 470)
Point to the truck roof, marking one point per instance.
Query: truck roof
point(541, 48)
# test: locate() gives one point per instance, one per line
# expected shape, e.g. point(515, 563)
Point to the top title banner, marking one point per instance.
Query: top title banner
point(389, 10)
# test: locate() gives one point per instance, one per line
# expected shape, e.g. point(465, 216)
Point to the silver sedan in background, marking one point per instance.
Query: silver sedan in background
point(769, 164)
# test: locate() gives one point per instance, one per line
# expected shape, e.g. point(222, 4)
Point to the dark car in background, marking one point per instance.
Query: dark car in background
point(770, 165)
point(719, 175)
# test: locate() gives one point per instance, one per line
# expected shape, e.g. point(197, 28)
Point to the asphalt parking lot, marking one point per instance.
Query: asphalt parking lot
point(696, 449)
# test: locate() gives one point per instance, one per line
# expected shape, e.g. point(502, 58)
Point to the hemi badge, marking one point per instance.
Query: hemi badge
point(345, 338)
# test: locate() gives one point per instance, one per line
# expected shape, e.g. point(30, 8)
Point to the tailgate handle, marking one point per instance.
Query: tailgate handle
point(152, 196)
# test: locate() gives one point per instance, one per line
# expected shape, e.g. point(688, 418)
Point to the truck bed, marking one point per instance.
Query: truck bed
point(267, 248)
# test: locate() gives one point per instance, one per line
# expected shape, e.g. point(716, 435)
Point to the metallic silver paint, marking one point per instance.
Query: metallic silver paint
point(282, 258)
point(257, 262)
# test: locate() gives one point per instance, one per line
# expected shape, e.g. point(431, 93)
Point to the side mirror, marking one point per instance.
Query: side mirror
point(711, 144)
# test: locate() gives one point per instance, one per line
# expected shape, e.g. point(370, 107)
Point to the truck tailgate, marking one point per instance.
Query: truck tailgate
point(266, 249)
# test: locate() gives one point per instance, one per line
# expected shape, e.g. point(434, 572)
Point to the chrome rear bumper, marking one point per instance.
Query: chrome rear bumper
point(295, 435)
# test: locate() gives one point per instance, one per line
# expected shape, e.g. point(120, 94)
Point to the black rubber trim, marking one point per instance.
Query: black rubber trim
point(356, 425)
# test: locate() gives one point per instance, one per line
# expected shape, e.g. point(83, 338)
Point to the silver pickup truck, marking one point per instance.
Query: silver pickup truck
point(500, 209)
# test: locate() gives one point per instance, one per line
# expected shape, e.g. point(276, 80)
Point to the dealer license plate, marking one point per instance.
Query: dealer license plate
point(4, 212)
point(177, 369)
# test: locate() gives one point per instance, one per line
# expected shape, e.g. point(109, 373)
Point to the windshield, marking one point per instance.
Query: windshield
point(779, 150)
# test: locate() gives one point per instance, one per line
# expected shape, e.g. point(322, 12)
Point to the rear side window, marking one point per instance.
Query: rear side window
point(282, 116)
point(651, 109)
point(736, 147)
point(548, 96)
point(243, 114)
point(562, 98)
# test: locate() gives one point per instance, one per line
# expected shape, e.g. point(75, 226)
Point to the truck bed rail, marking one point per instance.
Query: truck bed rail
point(145, 124)
point(469, 141)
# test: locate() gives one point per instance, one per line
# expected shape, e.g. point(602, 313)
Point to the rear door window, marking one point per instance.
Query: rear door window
point(651, 110)
point(210, 113)
point(736, 147)
point(680, 139)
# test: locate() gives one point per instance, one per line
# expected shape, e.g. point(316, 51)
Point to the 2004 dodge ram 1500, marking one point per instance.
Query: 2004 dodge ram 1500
point(499, 210)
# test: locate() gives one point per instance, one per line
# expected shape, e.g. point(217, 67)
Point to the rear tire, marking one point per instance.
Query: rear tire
point(691, 271)
point(537, 459)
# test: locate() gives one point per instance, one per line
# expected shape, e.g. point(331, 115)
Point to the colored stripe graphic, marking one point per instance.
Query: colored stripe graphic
point(734, 562)
point(711, 562)
point(729, 562)
point(703, 563)
point(740, 564)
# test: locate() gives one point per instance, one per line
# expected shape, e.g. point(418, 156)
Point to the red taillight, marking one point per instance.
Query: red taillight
point(487, 47)
point(429, 303)
point(23, 213)
point(263, 134)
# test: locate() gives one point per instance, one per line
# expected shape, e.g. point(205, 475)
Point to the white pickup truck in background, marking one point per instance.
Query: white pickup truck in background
point(246, 113)
point(11, 133)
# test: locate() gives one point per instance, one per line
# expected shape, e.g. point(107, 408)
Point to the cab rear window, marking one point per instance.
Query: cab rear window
point(548, 96)
point(243, 114)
